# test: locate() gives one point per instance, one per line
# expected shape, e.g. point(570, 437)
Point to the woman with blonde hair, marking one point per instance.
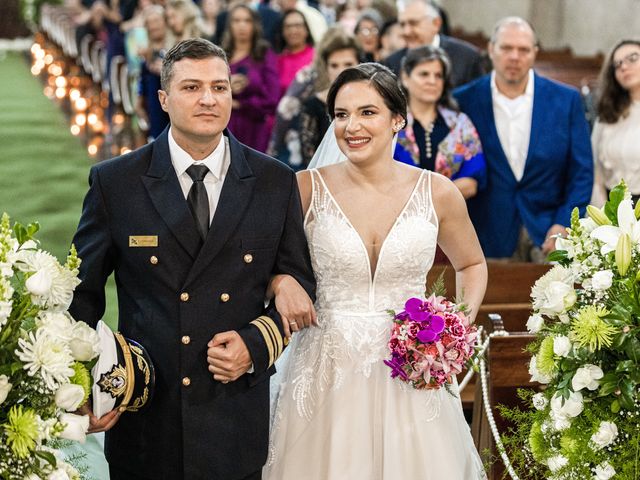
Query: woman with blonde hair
point(184, 19)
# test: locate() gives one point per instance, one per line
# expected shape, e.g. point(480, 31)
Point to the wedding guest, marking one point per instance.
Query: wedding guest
point(253, 76)
point(315, 20)
point(148, 108)
point(339, 52)
point(136, 38)
point(295, 44)
point(438, 137)
point(210, 10)
point(615, 135)
point(536, 143)
point(367, 32)
point(421, 22)
point(285, 142)
point(184, 19)
point(269, 17)
point(391, 38)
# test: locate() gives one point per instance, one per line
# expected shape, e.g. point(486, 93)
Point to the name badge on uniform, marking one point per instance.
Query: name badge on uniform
point(143, 240)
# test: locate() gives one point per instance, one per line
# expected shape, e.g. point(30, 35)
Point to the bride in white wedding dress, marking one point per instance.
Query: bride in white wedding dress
point(372, 225)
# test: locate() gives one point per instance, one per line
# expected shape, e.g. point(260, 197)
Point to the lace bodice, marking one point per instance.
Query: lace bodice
point(341, 262)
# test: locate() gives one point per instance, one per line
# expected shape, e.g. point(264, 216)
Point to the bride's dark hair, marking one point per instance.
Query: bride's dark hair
point(379, 77)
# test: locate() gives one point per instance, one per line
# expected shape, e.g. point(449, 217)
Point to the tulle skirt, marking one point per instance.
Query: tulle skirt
point(363, 425)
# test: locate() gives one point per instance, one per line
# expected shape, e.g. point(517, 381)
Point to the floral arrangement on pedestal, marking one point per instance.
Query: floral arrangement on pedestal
point(585, 423)
point(45, 357)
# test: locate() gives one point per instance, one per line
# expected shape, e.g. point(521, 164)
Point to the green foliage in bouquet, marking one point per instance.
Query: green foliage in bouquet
point(45, 357)
point(585, 424)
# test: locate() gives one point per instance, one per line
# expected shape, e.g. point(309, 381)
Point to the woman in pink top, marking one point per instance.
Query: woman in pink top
point(295, 44)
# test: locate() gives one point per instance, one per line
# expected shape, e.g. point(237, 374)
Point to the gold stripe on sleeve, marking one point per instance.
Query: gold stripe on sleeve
point(276, 352)
point(274, 328)
point(267, 340)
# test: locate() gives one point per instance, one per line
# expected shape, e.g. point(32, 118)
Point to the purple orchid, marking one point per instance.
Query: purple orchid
point(396, 363)
point(417, 309)
point(433, 329)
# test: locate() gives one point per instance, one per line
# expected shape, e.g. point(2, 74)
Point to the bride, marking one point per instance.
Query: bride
point(372, 225)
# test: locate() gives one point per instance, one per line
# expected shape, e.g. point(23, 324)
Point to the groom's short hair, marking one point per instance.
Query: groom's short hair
point(193, 48)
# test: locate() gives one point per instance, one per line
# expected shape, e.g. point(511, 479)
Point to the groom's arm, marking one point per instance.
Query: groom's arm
point(93, 243)
point(265, 336)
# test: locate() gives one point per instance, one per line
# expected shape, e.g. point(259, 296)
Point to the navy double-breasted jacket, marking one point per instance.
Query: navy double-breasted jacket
point(174, 295)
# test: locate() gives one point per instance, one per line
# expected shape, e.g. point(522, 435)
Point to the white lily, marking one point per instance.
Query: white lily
point(609, 235)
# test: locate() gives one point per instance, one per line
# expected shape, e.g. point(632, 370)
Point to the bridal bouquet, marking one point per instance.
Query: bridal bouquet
point(45, 357)
point(585, 424)
point(431, 340)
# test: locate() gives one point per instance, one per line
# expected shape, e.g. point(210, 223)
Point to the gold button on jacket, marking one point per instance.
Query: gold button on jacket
point(153, 260)
point(184, 296)
point(186, 381)
point(225, 297)
point(186, 340)
point(248, 258)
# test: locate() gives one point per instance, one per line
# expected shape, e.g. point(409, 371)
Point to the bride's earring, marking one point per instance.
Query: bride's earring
point(398, 126)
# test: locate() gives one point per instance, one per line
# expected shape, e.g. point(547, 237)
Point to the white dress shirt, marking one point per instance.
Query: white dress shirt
point(217, 163)
point(513, 123)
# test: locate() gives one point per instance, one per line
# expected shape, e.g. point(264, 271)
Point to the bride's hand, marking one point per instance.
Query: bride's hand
point(293, 304)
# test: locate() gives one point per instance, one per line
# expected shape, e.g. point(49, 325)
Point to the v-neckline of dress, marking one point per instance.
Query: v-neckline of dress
point(372, 272)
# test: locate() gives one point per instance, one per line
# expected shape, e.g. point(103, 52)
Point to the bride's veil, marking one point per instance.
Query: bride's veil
point(328, 151)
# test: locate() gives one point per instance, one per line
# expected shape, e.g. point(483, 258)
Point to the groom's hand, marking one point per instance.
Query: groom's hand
point(102, 424)
point(228, 356)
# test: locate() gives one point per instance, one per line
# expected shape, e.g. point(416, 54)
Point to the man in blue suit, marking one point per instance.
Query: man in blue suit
point(536, 142)
point(193, 225)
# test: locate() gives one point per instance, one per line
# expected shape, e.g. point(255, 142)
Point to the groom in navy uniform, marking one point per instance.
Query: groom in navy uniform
point(194, 225)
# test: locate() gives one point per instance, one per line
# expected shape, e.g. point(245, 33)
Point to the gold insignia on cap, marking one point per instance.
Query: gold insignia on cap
point(272, 337)
point(143, 240)
point(114, 382)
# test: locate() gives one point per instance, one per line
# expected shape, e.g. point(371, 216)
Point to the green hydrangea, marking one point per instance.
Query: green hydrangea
point(82, 377)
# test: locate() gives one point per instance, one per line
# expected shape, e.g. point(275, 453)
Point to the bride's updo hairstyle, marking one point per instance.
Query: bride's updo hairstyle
point(379, 77)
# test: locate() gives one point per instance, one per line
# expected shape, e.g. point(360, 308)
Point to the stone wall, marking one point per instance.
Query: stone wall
point(588, 27)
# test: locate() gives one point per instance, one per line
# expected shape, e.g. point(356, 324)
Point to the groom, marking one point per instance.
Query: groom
point(193, 225)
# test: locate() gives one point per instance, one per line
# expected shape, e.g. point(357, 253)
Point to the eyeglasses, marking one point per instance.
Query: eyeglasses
point(629, 60)
point(368, 31)
point(293, 25)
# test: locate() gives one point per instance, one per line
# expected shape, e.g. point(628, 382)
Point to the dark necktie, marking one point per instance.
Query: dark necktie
point(198, 200)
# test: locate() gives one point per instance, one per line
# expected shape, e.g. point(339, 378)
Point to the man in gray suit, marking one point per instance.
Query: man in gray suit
point(420, 22)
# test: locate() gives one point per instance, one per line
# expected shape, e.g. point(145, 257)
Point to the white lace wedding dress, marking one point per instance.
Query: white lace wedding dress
point(339, 415)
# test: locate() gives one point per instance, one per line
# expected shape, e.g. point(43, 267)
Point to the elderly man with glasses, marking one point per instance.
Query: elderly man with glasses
point(420, 22)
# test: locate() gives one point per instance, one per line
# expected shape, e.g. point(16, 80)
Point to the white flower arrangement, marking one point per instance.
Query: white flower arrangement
point(45, 357)
point(585, 423)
